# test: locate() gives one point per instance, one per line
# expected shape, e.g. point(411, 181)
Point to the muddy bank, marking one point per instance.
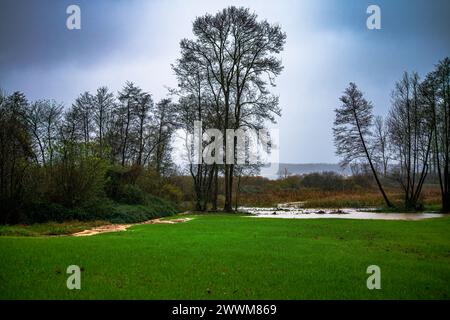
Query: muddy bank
point(124, 227)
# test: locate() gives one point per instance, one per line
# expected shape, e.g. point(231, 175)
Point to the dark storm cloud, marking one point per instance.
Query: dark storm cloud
point(34, 33)
point(399, 17)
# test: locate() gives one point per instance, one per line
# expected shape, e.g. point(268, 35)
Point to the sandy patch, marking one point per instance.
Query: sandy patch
point(124, 227)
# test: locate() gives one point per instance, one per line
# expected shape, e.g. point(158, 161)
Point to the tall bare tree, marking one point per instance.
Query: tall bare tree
point(144, 105)
point(352, 130)
point(126, 114)
point(237, 57)
point(436, 94)
point(411, 133)
point(83, 112)
point(442, 75)
point(103, 105)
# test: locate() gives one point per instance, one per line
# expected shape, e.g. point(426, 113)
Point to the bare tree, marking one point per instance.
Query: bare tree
point(200, 100)
point(164, 125)
point(352, 130)
point(192, 108)
point(44, 119)
point(144, 105)
point(103, 104)
point(442, 76)
point(237, 59)
point(126, 113)
point(83, 113)
point(35, 119)
point(381, 144)
point(411, 133)
point(436, 94)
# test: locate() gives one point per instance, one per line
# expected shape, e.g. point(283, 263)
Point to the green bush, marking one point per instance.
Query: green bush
point(154, 207)
point(131, 194)
point(95, 209)
point(76, 176)
point(42, 212)
point(101, 209)
point(172, 193)
point(150, 182)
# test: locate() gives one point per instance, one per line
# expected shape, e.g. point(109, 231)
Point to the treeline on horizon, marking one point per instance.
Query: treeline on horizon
point(409, 144)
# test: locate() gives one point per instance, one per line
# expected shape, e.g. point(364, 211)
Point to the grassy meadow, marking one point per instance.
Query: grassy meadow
point(235, 257)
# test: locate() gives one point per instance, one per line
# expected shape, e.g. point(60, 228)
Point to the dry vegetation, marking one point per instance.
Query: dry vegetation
point(343, 192)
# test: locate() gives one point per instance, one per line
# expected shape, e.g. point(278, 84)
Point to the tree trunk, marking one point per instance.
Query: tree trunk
point(216, 189)
point(386, 200)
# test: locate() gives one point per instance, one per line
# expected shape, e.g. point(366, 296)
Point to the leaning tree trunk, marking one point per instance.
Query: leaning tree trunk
point(380, 187)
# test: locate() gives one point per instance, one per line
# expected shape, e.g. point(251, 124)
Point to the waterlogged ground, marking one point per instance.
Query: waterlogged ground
point(294, 211)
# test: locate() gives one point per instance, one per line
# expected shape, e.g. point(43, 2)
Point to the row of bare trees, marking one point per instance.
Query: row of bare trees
point(411, 144)
point(224, 75)
point(129, 129)
point(64, 152)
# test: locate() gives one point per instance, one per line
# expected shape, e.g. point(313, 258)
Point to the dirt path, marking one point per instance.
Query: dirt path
point(124, 227)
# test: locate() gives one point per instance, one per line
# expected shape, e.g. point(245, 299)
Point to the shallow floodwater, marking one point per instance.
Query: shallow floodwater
point(347, 213)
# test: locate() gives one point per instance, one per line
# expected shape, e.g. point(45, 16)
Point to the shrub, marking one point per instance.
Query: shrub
point(131, 194)
point(77, 175)
point(95, 209)
point(154, 207)
point(172, 193)
point(149, 181)
point(101, 209)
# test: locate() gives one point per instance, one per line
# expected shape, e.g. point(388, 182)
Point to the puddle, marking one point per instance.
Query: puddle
point(292, 212)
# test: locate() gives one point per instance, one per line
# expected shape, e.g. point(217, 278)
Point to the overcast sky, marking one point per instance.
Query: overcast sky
point(328, 45)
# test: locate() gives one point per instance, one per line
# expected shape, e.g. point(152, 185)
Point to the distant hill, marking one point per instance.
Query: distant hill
point(302, 168)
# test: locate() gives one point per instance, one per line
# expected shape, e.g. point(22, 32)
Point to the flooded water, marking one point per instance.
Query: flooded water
point(294, 212)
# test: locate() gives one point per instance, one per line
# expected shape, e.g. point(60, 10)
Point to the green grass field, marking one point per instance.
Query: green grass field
point(235, 257)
